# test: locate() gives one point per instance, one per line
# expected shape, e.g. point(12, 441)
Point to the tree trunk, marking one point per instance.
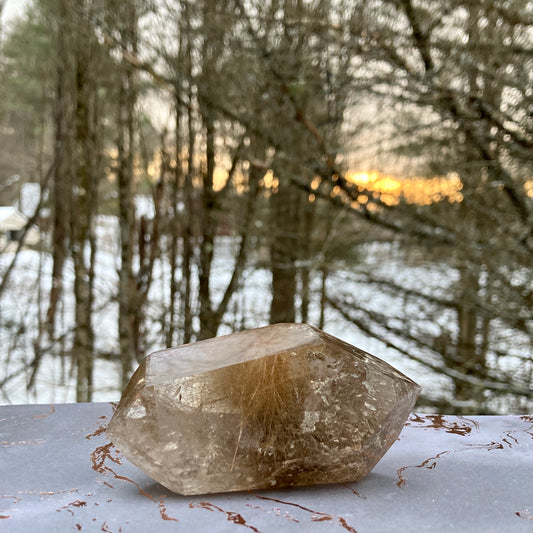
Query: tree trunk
point(323, 297)
point(307, 210)
point(62, 184)
point(209, 224)
point(469, 358)
point(283, 247)
point(125, 146)
point(188, 236)
point(174, 229)
point(240, 258)
point(82, 214)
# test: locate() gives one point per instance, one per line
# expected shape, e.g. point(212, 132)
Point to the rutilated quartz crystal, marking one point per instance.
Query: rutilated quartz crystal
point(278, 406)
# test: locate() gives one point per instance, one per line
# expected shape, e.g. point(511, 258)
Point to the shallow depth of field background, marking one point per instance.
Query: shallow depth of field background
point(174, 171)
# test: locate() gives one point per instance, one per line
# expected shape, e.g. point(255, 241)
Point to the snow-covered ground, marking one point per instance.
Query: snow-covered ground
point(27, 298)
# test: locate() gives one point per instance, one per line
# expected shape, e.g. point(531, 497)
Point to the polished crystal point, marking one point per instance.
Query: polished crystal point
point(278, 406)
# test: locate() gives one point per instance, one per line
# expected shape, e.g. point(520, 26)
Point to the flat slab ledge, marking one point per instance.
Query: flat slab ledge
point(444, 473)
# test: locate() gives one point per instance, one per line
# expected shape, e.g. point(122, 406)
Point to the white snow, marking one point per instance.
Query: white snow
point(25, 304)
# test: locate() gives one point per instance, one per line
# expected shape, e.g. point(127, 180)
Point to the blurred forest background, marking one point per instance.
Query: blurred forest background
point(173, 170)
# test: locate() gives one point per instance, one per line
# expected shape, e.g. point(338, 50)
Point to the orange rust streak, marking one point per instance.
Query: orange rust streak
point(46, 415)
point(287, 516)
point(101, 429)
point(528, 418)
point(489, 447)
point(99, 456)
point(439, 422)
point(236, 518)
point(98, 459)
point(77, 503)
point(402, 481)
point(108, 484)
point(512, 437)
point(142, 492)
point(293, 504)
point(163, 511)
point(323, 516)
point(353, 491)
point(475, 423)
point(16, 499)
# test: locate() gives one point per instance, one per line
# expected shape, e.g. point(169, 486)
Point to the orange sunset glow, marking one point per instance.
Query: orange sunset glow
point(415, 190)
point(390, 189)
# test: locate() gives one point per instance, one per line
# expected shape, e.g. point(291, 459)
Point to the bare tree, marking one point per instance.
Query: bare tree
point(285, 97)
point(62, 148)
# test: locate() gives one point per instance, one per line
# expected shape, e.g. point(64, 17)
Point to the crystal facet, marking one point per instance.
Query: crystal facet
point(278, 406)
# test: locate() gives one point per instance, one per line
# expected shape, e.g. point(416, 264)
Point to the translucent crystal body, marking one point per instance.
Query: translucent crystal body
point(278, 406)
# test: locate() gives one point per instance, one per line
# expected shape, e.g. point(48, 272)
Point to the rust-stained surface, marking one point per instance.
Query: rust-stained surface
point(445, 473)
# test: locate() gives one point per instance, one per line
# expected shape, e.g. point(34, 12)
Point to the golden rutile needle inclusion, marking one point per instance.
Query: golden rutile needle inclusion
point(278, 406)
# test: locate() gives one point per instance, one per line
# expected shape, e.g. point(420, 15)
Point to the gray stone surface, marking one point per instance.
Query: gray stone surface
point(60, 473)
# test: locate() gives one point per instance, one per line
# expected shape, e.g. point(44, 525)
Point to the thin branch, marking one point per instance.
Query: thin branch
point(499, 387)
